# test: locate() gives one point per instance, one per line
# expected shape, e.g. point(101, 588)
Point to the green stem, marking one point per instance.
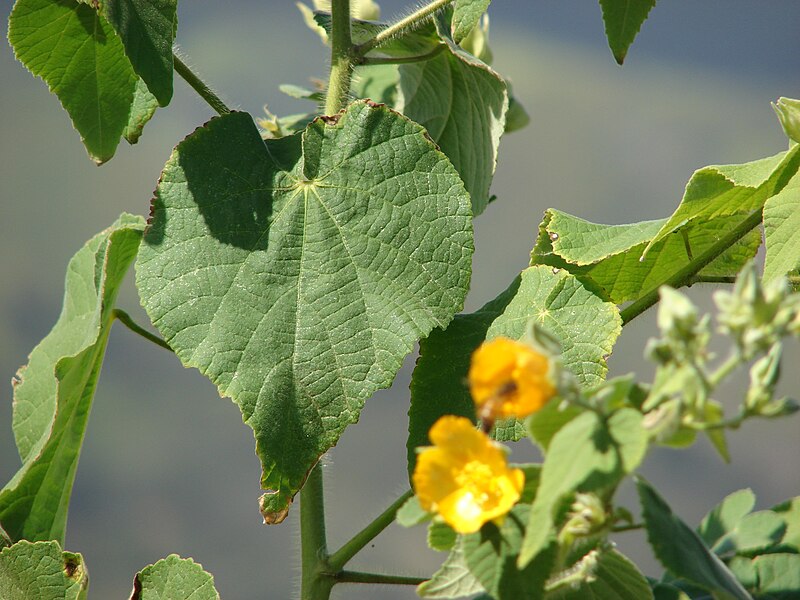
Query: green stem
point(623, 528)
point(401, 60)
point(359, 577)
point(412, 20)
point(712, 279)
point(199, 86)
point(340, 558)
point(684, 276)
point(316, 582)
point(341, 58)
point(124, 318)
point(725, 369)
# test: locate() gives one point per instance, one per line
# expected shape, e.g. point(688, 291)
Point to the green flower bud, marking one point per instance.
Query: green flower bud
point(788, 111)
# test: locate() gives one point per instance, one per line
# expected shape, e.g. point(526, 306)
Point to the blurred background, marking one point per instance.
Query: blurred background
point(168, 466)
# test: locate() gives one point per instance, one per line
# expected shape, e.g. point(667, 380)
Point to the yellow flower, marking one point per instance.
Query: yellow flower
point(509, 379)
point(464, 476)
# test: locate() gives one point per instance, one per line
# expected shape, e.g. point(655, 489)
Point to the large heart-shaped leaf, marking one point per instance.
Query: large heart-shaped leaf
point(53, 393)
point(297, 273)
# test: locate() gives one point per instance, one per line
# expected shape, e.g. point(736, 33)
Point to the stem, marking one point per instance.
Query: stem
point(401, 60)
point(359, 577)
point(725, 369)
point(316, 582)
point(199, 86)
point(340, 558)
point(683, 276)
point(712, 279)
point(341, 57)
point(124, 318)
point(631, 527)
point(401, 26)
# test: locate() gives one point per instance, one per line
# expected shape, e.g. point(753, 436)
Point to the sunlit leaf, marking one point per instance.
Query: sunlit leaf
point(53, 393)
point(608, 576)
point(782, 230)
point(297, 273)
point(452, 580)
point(41, 571)
point(143, 108)
point(466, 14)
point(174, 578)
point(623, 20)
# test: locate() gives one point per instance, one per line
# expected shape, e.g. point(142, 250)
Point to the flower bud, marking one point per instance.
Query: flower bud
point(788, 111)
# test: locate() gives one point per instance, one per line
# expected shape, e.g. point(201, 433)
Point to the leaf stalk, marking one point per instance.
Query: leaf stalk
point(199, 86)
point(124, 318)
point(401, 26)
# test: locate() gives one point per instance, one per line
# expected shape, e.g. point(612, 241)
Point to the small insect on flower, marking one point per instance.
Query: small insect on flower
point(509, 379)
point(464, 477)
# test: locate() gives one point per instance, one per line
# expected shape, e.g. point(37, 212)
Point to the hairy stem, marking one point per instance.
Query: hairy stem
point(316, 581)
point(401, 60)
point(401, 26)
point(199, 86)
point(341, 557)
point(124, 318)
point(359, 577)
point(684, 276)
point(341, 57)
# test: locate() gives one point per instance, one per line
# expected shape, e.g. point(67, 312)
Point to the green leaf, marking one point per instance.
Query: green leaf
point(53, 393)
point(453, 579)
point(147, 29)
point(376, 82)
point(491, 555)
point(466, 14)
point(297, 273)
point(623, 20)
point(718, 191)
point(682, 551)
point(411, 513)
point(724, 517)
point(441, 536)
point(782, 230)
point(417, 42)
point(586, 454)
point(755, 532)
point(174, 578)
point(544, 424)
point(611, 576)
point(462, 103)
point(41, 571)
point(78, 54)
point(610, 256)
point(778, 575)
point(586, 326)
point(790, 512)
point(143, 108)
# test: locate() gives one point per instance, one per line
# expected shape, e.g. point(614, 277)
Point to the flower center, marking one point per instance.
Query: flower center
point(478, 479)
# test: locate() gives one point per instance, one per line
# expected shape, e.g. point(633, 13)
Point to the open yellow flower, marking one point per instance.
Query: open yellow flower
point(509, 379)
point(464, 476)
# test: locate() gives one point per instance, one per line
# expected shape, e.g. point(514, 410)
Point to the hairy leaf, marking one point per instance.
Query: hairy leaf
point(53, 393)
point(174, 578)
point(82, 60)
point(41, 571)
point(623, 20)
point(462, 103)
point(466, 14)
point(147, 29)
point(453, 579)
point(297, 273)
point(682, 551)
point(607, 575)
point(782, 230)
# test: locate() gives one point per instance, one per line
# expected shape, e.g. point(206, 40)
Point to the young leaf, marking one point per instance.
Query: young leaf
point(682, 551)
point(453, 579)
point(53, 393)
point(174, 578)
point(491, 555)
point(41, 571)
point(623, 20)
point(466, 14)
point(147, 29)
point(462, 103)
point(297, 273)
point(758, 531)
point(726, 190)
point(726, 515)
point(612, 576)
point(778, 575)
point(782, 230)
point(78, 54)
point(441, 536)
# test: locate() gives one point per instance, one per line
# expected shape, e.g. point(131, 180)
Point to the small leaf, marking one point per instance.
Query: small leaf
point(297, 273)
point(80, 57)
point(143, 108)
point(441, 536)
point(782, 230)
point(53, 393)
point(790, 512)
point(758, 531)
point(681, 550)
point(411, 513)
point(452, 580)
point(623, 20)
point(491, 555)
point(726, 515)
point(147, 29)
point(727, 190)
point(543, 425)
point(41, 571)
point(466, 14)
point(612, 577)
point(174, 578)
point(462, 103)
point(778, 575)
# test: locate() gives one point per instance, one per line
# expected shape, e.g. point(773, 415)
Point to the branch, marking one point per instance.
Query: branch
point(199, 86)
point(359, 577)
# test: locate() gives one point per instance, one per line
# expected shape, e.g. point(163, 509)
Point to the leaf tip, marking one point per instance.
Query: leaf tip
point(272, 512)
